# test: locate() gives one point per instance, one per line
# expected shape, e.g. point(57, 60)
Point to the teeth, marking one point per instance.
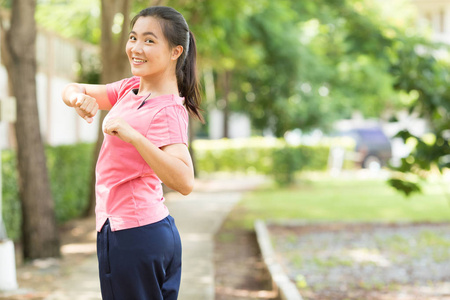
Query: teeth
point(139, 60)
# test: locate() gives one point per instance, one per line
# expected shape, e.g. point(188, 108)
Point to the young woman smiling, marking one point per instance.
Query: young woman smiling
point(138, 245)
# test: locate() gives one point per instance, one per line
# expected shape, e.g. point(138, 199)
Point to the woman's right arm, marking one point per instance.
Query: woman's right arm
point(87, 99)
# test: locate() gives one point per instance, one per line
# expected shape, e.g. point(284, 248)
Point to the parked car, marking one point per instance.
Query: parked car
point(372, 146)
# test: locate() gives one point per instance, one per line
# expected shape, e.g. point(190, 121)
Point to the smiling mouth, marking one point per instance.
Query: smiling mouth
point(137, 60)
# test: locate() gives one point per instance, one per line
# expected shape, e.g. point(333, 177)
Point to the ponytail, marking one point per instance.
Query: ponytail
point(188, 84)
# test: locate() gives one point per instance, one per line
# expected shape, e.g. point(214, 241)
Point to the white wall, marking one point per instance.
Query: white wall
point(59, 124)
point(434, 14)
point(238, 125)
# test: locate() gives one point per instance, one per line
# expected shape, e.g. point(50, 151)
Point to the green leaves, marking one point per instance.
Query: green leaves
point(68, 170)
point(72, 19)
point(407, 187)
point(419, 72)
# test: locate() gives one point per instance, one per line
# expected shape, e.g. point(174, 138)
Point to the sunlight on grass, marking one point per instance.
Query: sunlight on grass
point(341, 200)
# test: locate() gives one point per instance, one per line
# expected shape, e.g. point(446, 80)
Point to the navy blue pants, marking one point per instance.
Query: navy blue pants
point(142, 263)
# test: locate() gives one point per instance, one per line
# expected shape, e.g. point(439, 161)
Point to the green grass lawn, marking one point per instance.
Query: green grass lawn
point(342, 200)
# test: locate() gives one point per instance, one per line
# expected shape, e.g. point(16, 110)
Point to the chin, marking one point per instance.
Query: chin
point(134, 73)
point(137, 72)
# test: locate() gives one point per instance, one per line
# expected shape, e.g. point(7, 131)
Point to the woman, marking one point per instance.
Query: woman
point(138, 245)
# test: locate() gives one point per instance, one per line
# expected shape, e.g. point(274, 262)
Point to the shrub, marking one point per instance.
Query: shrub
point(260, 155)
point(68, 168)
point(12, 216)
point(286, 161)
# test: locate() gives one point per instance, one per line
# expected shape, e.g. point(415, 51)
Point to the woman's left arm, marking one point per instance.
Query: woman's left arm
point(172, 163)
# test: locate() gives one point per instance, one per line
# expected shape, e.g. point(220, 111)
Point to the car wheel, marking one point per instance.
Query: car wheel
point(372, 162)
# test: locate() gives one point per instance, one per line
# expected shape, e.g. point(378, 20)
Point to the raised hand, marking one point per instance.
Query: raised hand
point(86, 106)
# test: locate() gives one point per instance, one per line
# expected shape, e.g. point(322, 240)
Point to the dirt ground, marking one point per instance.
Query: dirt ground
point(37, 279)
point(240, 270)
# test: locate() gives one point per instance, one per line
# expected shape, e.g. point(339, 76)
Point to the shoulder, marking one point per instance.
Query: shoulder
point(116, 90)
point(169, 111)
point(127, 83)
point(169, 124)
point(171, 103)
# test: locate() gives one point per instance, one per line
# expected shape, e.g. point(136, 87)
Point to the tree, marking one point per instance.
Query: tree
point(313, 62)
point(424, 79)
point(39, 231)
point(414, 76)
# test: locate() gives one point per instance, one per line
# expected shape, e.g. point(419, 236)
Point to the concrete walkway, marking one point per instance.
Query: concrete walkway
point(198, 217)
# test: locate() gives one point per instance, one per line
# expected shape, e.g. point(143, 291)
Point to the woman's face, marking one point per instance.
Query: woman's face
point(148, 50)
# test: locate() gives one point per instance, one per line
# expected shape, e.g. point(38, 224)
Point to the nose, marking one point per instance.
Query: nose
point(136, 48)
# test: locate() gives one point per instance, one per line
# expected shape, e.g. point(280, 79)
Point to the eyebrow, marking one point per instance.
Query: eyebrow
point(145, 33)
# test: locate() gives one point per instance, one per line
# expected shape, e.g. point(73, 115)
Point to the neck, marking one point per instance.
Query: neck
point(158, 86)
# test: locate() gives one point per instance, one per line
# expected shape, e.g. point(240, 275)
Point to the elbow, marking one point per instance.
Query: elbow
point(187, 187)
point(185, 193)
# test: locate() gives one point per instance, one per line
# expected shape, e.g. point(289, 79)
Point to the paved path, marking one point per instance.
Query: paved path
point(198, 218)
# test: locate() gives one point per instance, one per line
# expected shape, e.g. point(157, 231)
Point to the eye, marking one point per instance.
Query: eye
point(149, 41)
point(132, 38)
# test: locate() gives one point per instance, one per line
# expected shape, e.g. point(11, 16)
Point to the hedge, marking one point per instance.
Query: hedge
point(10, 197)
point(68, 168)
point(259, 155)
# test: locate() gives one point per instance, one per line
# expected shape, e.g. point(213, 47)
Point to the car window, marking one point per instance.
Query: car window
point(372, 135)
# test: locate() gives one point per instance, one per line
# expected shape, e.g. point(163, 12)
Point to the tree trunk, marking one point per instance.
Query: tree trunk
point(191, 147)
point(226, 109)
point(39, 231)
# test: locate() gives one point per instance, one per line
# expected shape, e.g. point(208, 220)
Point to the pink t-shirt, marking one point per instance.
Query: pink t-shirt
point(128, 192)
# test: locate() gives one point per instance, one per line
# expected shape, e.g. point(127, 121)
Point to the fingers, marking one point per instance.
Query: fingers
point(94, 110)
point(88, 117)
point(112, 126)
point(85, 106)
point(121, 129)
point(76, 99)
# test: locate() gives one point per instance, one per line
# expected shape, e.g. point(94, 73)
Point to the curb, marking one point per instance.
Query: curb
point(286, 288)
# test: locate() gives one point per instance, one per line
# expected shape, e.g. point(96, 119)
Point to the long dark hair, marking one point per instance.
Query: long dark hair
point(176, 31)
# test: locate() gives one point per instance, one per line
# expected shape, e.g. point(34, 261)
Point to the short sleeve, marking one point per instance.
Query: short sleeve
point(169, 126)
point(118, 89)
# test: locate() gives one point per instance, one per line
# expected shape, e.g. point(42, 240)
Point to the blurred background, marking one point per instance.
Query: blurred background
point(342, 107)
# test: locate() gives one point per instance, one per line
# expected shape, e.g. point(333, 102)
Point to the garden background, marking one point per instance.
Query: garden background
point(270, 71)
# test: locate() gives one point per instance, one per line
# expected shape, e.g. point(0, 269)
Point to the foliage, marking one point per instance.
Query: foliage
point(78, 19)
point(72, 19)
point(405, 186)
point(12, 213)
point(424, 77)
point(319, 61)
point(69, 167)
point(68, 171)
point(286, 161)
point(6, 3)
point(315, 61)
point(258, 155)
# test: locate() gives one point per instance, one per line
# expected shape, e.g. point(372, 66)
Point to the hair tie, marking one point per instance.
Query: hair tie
point(188, 41)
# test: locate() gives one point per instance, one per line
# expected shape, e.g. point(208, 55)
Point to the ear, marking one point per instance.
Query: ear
point(176, 52)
